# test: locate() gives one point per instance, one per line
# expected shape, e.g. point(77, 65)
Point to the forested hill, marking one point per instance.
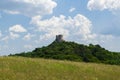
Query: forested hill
point(74, 52)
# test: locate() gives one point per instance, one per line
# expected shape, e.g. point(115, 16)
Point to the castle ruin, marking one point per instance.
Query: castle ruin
point(59, 38)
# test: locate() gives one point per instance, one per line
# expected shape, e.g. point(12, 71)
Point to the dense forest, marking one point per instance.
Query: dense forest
point(74, 52)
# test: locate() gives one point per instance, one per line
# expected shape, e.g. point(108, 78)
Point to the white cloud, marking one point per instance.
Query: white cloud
point(14, 36)
point(72, 9)
point(5, 38)
point(111, 5)
point(78, 26)
point(28, 7)
point(0, 34)
point(28, 36)
point(10, 36)
point(17, 28)
point(12, 12)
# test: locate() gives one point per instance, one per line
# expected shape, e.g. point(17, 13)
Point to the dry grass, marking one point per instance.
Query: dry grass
point(19, 68)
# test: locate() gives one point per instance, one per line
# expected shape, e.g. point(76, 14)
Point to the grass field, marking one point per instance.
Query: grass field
point(19, 68)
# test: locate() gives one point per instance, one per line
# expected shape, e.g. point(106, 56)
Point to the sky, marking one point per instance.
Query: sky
point(28, 24)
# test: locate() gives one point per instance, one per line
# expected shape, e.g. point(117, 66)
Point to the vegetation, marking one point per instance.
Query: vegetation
point(19, 68)
point(74, 52)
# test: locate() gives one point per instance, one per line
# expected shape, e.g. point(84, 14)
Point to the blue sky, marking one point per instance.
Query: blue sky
point(27, 24)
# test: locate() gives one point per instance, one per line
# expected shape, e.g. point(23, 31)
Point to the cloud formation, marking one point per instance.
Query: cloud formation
point(72, 9)
point(14, 36)
point(0, 34)
point(17, 28)
point(111, 5)
point(28, 36)
point(78, 26)
point(28, 7)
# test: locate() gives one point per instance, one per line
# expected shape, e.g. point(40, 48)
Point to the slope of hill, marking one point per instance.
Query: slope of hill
point(19, 68)
point(74, 52)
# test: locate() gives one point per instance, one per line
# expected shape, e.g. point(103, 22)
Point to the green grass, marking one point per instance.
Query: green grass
point(19, 68)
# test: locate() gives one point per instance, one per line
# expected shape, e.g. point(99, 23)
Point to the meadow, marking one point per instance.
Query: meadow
point(20, 68)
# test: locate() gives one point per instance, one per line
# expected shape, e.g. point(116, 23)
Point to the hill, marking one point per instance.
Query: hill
point(19, 68)
point(72, 51)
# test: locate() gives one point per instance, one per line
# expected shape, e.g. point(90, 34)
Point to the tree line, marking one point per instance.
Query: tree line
point(74, 52)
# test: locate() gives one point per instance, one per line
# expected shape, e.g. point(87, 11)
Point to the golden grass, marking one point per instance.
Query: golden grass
point(19, 68)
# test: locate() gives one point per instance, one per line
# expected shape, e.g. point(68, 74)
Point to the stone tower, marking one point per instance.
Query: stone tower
point(59, 38)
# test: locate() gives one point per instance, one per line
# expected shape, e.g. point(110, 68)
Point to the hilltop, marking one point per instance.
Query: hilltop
point(19, 68)
point(64, 50)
